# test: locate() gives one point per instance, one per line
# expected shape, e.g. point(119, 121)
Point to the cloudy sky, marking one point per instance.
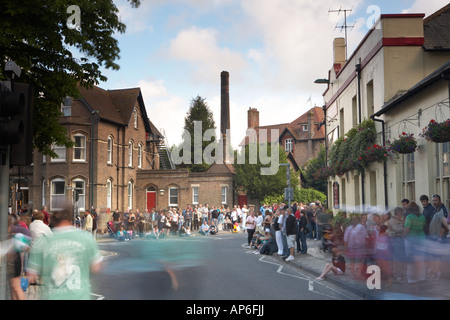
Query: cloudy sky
point(175, 50)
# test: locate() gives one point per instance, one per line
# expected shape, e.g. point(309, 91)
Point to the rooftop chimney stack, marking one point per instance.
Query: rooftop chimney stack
point(225, 111)
point(339, 54)
point(252, 118)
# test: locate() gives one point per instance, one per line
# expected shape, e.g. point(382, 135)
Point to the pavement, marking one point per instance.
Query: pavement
point(315, 260)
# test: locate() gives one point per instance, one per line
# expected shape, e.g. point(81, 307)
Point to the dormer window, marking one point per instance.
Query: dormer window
point(304, 127)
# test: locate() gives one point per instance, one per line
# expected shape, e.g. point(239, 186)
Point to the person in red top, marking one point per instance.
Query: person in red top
point(337, 266)
point(46, 215)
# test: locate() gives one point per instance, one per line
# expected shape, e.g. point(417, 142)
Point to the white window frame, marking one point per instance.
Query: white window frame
point(109, 150)
point(43, 195)
point(108, 193)
point(135, 118)
point(195, 195)
point(288, 145)
point(130, 153)
point(130, 195)
point(82, 148)
point(53, 195)
point(173, 204)
point(224, 193)
point(140, 155)
point(61, 151)
point(81, 195)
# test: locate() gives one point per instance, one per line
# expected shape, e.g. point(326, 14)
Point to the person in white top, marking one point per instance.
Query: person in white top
point(38, 228)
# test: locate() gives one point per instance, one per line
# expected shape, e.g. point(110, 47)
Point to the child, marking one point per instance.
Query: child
point(337, 266)
point(121, 235)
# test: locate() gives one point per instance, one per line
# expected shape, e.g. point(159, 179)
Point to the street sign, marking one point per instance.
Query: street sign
point(288, 194)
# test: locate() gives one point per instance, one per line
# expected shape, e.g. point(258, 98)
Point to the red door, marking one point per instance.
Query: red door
point(151, 200)
point(242, 199)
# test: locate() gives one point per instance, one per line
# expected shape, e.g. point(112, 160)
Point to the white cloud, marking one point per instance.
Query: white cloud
point(200, 47)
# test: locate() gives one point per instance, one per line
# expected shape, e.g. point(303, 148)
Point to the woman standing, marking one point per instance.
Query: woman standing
point(251, 225)
point(414, 240)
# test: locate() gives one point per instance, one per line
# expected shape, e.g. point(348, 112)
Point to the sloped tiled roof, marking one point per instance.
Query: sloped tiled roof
point(436, 28)
point(293, 127)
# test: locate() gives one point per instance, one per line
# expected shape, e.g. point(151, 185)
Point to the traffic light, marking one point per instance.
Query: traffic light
point(16, 111)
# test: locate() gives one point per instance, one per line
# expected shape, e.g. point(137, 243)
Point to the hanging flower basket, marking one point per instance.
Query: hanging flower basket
point(406, 143)
point(374, 153)
point(437, 131)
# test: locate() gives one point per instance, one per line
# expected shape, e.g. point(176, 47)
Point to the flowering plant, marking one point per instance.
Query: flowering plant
point(374, 153)
point(437, 131)
point(406, 143)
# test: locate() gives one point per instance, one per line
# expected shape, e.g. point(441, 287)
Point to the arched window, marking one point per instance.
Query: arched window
point(140, 155)
point(109, 151)
point(57, 194)
point(130, 154)
point(108, 193)
point(130, 195)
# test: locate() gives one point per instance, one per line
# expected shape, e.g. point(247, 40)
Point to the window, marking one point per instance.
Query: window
point(408, 177)
point(79, 148)
point(224, 195)
point(43, 199)
point(130, 154)
point(173, 197)
point(140, 155)
point(109, 151)
point(57, 194)
point(109, 193)
point(445, 159)
point(80, 194)
point(130, 195)
point(60, 153)
point(194, 195)
point(135, 118)
point(288, 145)
point(304, 127)
point(66, 107)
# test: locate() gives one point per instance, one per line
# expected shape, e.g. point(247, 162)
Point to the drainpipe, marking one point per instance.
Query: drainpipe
point(358, 71)
point(384, 163)
point(94, 118)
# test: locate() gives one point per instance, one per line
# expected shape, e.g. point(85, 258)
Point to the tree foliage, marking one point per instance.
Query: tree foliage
point(311, 168)
point(257, 186)
point(35, 35)
point(199, 111)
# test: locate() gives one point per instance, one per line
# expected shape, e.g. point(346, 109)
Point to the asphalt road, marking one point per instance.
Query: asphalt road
point(215, 267)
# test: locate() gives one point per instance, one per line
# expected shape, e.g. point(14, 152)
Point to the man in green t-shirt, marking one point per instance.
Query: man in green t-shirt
point(64, 260)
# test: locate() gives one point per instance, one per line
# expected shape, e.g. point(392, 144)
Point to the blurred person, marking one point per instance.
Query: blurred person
point(88, 221)
point(64, 260)
point(428, 212)
point(245, 213)
point(438, 231)
point(355, 245)
point(94, 222)
point(414, 242)
point(16, 256)
point(311, 221)
point(404, 203)
point(116, 219)
point(337, 265)
point(195, 219)
point(131, 222)
point(395, 232)
point(383, 254)
point(38, 228)
point(46, 215)
point(282, 223)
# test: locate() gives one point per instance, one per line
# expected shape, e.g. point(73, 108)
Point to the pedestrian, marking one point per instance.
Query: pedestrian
point(337, 265)
point(428, 212)
point(64, 260)
point(15, 257)
point(46, 215)
point(94, 223)
point(195, 219)
point(438, 231)
point(88, 222)
point(302, 246)
point(116, 219)
point(38, 228)
point(355, 245)
point(204, 228)
point(414, 242)
point(291, 232)
point(395, 231)
point(250, 225)
point(276, 227)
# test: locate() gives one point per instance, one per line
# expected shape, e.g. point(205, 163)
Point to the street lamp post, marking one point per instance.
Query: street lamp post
point(288, 192)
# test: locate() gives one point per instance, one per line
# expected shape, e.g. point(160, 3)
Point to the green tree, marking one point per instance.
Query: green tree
point(37, 37)
point(257, 186)
point(312, 167)
point(199, 111)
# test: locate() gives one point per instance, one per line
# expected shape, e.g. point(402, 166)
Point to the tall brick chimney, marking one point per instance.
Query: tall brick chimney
point(252, 118)
point(224, 111)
